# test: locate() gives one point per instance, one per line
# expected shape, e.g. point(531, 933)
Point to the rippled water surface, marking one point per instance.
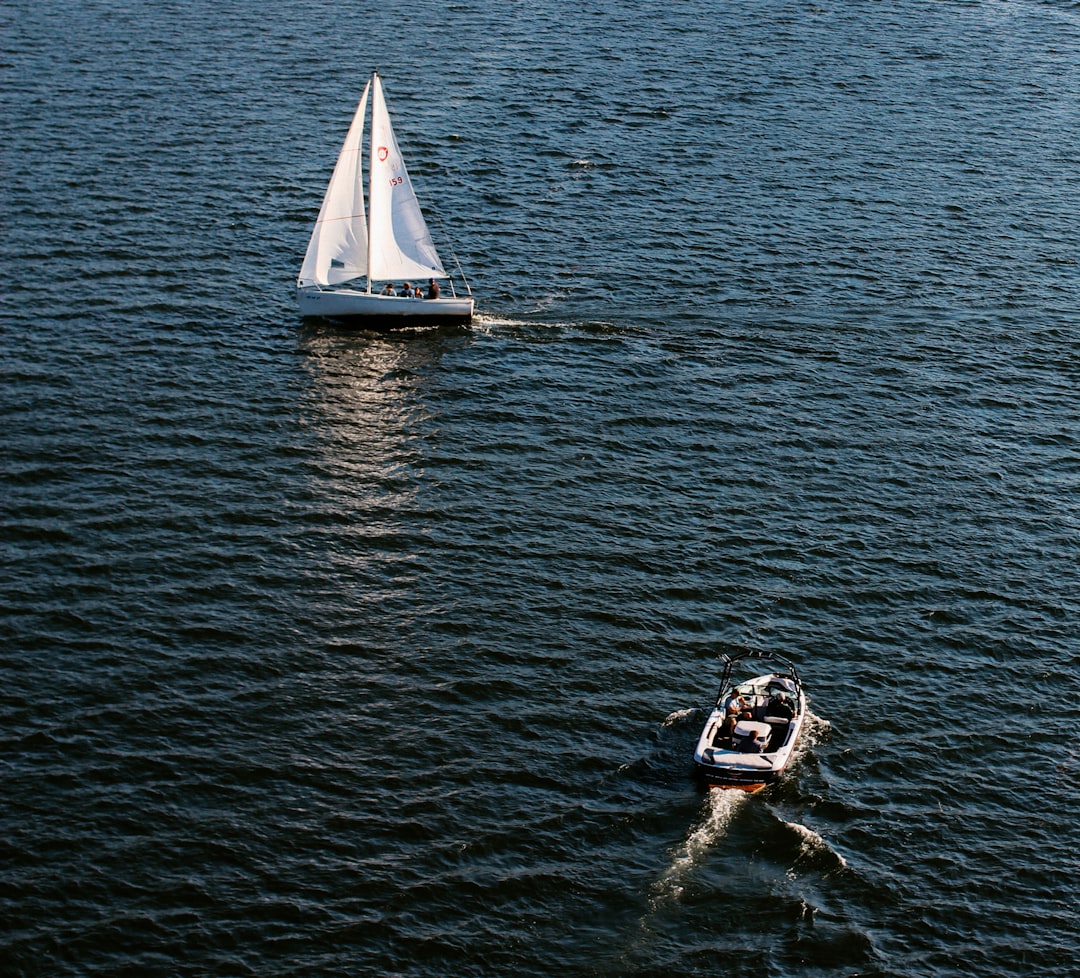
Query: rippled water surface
point(331, 653)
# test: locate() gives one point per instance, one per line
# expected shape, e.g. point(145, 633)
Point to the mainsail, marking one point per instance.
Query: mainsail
point(395, 243)
point(400, 245)
point(337, 251)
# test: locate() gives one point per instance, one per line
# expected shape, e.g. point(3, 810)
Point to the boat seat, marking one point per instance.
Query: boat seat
point(750, 737)
point(779, 727)
point(758, 762)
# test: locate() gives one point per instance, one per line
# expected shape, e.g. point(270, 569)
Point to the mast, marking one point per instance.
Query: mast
point(371, 173)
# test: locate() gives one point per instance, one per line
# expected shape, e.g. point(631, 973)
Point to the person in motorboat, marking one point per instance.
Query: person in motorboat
point(737, 705)
point(750, 742)
point(779, 706)
point(727, 729)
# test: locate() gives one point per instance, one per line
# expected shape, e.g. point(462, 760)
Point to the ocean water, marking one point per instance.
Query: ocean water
point(331, 653)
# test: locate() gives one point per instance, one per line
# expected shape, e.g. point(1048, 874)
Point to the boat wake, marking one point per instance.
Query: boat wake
point(666, 892)
point(722, 807)
point(530, 322)
point(815, 730)
point(811, 850)
point(679, 716)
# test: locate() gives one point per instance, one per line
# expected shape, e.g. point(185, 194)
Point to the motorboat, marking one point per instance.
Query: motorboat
point(753, 729)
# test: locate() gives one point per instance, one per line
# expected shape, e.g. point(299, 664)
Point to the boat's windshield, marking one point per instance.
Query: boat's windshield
point(750, 689)
point(763, 688)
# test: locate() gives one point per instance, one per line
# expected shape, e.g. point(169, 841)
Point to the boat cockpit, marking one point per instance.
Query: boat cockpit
point(757, 717)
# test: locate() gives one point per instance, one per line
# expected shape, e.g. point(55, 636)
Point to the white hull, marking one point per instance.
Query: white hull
point(759, 749)
point(383, 311)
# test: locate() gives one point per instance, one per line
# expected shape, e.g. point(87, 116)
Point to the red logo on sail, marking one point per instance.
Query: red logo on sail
point(383, 153)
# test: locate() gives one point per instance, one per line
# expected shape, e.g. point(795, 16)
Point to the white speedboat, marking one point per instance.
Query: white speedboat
point(754, 727)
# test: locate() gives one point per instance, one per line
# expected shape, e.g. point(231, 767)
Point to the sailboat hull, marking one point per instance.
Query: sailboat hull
point(372, 311)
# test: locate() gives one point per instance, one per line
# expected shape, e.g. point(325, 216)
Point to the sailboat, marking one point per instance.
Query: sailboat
point(390, 243)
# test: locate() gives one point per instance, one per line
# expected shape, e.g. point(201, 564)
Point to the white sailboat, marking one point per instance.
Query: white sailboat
point(391, 243)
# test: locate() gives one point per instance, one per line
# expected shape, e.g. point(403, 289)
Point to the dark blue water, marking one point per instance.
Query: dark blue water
point(331, 653)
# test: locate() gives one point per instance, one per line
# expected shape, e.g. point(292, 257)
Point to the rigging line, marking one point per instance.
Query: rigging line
point(450, 244)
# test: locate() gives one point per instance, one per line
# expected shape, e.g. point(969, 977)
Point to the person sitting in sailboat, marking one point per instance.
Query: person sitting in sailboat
point(406, 290)
point(389, 290)
point(432, 289)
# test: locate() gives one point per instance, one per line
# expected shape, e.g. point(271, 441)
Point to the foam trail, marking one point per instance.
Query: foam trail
point(722, 806)
point(812, 847)
point(667, 890)
point(678, 716)
point(815, 729)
